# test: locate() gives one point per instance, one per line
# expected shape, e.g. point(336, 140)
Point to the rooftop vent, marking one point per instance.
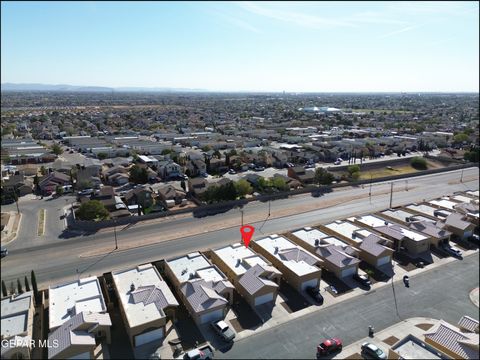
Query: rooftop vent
point(317, 242)
point(132, 287)
point(239, 261)
point(354, 235)
point(386, 222)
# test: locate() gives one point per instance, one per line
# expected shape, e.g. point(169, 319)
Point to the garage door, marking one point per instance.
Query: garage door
point(148, 337)
point(348, 272)
point(262, 299)
point(312, 283)
point(383, 260)
point(211, 316)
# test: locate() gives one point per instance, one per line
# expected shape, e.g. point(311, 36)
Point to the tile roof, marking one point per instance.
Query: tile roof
point(201, 295)
point(468, 323)
point(69, 334)
point(297, 254)
point(451, 338)
point(456, 220)
point(337, 256)
point(430, 229)
point(151, 294)
point(256, 278)
point(372, 245)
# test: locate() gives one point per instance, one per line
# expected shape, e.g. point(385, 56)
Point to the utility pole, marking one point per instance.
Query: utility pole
point(391, 193)
point(241, 212)
point(394, 296)
point(115, 233)
point(370, 192)
point(269, 204)
point(461, 176)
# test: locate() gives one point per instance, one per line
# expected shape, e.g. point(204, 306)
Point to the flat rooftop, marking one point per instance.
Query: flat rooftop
point(401, 215)
point(473, 193)
point(14, 314)
point(462, 199)
point(188, 266)
point(346, 229)
point(309, 236)
point(239, 258)
point(138, 312)
point(413, 348)
point(67, 300)
point(445, 203)
point(427, 210)
point(276, 245)
point(372, 221)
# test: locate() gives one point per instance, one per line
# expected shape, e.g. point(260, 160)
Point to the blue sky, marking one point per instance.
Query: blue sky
point(244, 46)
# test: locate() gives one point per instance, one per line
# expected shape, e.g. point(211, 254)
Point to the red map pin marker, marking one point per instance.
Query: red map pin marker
point(247, 233)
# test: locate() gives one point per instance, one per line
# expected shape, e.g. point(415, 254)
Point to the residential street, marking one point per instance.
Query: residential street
point(441, 293)
point(60, 258)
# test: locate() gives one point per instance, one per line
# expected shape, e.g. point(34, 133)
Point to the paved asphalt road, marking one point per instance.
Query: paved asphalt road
point(441, 293)
point(59, 259)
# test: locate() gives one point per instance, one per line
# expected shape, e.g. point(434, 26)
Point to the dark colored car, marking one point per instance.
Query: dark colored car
point(315, 294)
point(362, 280)
point(4, 251)
point(329, 346)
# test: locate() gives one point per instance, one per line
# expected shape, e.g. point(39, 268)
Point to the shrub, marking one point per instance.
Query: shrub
point(418, 163)
point(92, 210)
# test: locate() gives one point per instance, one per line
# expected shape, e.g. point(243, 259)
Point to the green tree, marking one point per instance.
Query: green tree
point(19, 286)
point(59, 190)
point(279, 183)
point(34, 286)
point(206, 148)
point(472, 155)
point(353, 168)
point(418, 163)
point(138, 175)
point(57, 149)
point(460, 138)
point(243, 187)
point(166, 151)
point(43, 171)
point(355, 175)
point(102, 155)
point(92, 210)
point(84, 184)
point(323, 177)
point(217, 154)
point(4, 289)
point(27, 285)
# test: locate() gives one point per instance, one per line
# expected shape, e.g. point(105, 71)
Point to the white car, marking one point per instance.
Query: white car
point(372, 351)
point(222, 329)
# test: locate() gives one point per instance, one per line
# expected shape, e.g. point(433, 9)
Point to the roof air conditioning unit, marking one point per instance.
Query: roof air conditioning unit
point(386, 222)
point(276, 249)
point(354, 235)
point(132, 287)
point(317, 242)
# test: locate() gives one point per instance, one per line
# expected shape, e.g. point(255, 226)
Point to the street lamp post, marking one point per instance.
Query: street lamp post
point(370, 191)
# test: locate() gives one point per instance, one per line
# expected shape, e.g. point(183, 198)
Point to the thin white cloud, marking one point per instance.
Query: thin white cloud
point(408, 28)
point(240, 23)
point(293, 17)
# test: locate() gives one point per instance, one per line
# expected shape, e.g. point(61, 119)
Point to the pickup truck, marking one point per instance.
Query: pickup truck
point(202, 352)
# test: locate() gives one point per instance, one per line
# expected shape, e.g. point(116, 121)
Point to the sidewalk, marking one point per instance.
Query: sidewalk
point(10, 231)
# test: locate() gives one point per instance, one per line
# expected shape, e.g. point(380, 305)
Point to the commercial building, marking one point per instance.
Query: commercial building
point(146, 303)
point(337, 257)
point(203, 288)
point(253, 276)
point(17, 326)
point(298, 267)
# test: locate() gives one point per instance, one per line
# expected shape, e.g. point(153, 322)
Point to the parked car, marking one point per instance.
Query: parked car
point(85, 192)
point(289, 165)
point(329, 346)
point(204, 352)
point(315, 294)
point(4, 251)
point(474, 238)
point(259, 168)
point(363, 280)
point(309, 166)
point(453, 252)
point(231, 171)
point(205, 175)
point(372, 351)
point(337, 162)
point(222, 329)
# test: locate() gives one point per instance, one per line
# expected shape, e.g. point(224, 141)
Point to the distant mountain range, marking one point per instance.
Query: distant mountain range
point(75, 88)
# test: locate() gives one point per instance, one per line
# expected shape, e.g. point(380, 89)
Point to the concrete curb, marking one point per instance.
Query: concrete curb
point(14, 233)
point(474, 296)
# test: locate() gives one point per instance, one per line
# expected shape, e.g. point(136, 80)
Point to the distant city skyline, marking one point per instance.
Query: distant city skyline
point(244, 46)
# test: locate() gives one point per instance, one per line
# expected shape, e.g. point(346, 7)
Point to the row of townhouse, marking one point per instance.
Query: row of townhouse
point(78, 316)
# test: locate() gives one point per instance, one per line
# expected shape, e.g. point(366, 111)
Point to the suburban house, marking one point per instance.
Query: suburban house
point(434, 229)
point(298, 267)
point(411, 347)
point(291, 182)
point(374, 250)
point(17, 183)
point(203, 288)
point(168, 169)
point(197, 186)
point(254, 277)
point(302, 175)
point(146, 303)
point(118, 179)
point(337, 257)
point(68, 299)
point(49, 182)
point(429, 211)
point(88, 175)
point(117, 169)
point(413, 242)
point(457, 342)
point(17, 324)
point(456, 224)
point(79, 336)
point(140, 196)
point(196, 167)
point(170, 196)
